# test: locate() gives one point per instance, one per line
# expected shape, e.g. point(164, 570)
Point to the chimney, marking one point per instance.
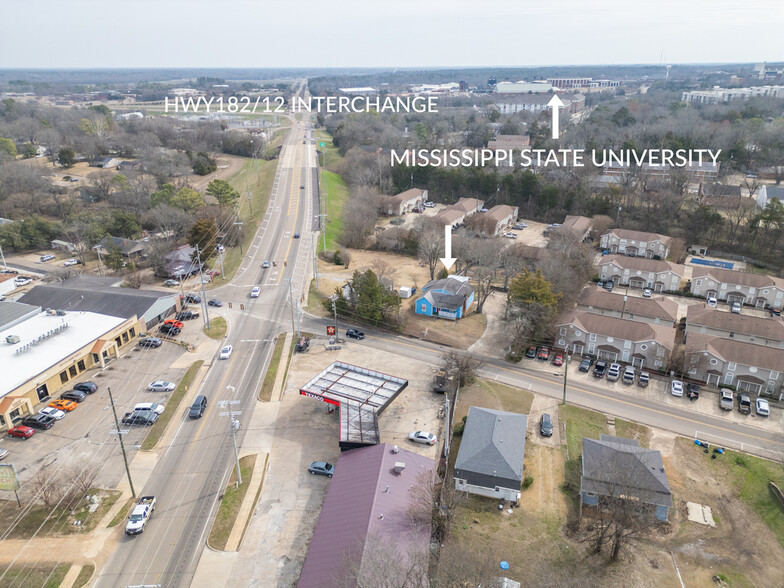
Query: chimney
point(399, 467)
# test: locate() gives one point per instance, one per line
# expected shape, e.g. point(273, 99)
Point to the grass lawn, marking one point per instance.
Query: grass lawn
point(272, 371)
point(629, 430)
point(460, 334)
point(218, 328)
point(332, 155)
point(493, 395)
point(315, 300)
point(336, 196)
point(156, 431)
point(84, 576)
point(123, 513)
point(230, 505)
point(581, 423)
point(46, 575)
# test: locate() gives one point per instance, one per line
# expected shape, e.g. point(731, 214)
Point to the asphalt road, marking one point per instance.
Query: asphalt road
point(193, 471)
point(596, 396)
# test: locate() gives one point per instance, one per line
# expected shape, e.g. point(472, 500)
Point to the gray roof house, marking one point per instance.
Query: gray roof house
point(180, 263)
point(615, 468)
point(767, 192)
point(128, 247)
point(449, 298)
point(658, 310)
point(492, 450)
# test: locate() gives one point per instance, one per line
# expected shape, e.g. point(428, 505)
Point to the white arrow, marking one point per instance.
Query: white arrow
point(448, 260)
point(555, 103)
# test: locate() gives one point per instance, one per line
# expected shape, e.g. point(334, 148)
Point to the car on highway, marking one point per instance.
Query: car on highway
point(161, 386)
point(762, 408)
point(321, 468)
point(140, 417)
point(86, 387)
point(546, 425)
point(187, 315)
point(225, 353)
point(52, 412)
point(296, 235)
point(676, 387)
point(423, 437)
point(558, 359)
point(153, 406)
point(214, 302)
point(198, 407)
point(429, 204)
point(265, 264)
point(647, 293)
point(302, 186)
point(38, 421)
point(21, 432)
point(74, 395)
point(63, 405)
point(70, 262)
point(599, 369)
point(150, 342)
point(171, 283)
point(47, 257)
point(193, 299)
point(255, 292)
point(355, 334)
point(530, 353)
point(544, 353)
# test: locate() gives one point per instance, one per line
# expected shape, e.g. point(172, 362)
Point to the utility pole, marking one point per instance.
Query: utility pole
point(120, 433)
point(233, 430)
point(5, 267)
point(324, 229)
point(203, 294)
point(334, 298)
point(182, 290)
point(566, 370)
point(220, 259)
point(247, 191)
point(100, 261)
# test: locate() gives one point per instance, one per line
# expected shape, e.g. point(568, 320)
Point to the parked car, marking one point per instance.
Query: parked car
point(62, 405)
point(161, 386)
point(225, 353)
point(544, 353)
point(585, 365)
point(647, 293)
point(3, 453)
point(187, 315)
point(609, 285)
point(510, 235)
point(726, 400)
point(193, 299)
point(140, 417)
point(86, 387)
point(52, 412)
point(21, 431)
point(174, 323)
point(255, 292)
point(712, 301)
point(599, 369)
point(531, 352)
point(423, 437)
point(644, 379)
point(198, 407)
point(735, 308)
point(558, 359)
point(150, 342)
point(429, 204)
point(171, 283)
point(38, 421)
point(71, 262)
point(763, 408)
point(22, 281)
point(47, 257)
point(744, 404)
point(774, 311)
point(169, 330)
point(614, 372)
point(629, 375)
point(74, 395)
point(355, 334)
point(153, 406)
point(519, 226)
point(214, 302)
point(418, 210)
point(676, 387)
point(321, 468)
point(265, 265)
point(692, 391)
point(546, 425)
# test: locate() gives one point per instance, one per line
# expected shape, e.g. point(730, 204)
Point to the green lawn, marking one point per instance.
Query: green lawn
point(272, 371)
point(231, 503)
point(581, 423)
point(336, 196)
point(45, 575)
point(157, 430)
point(218, 328)
point(629, 430)
point(123, 513)
point(84, 576)
point(331, 155)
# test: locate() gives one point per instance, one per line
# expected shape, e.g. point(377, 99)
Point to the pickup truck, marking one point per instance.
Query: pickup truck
point(726, 401)
point(599, 369)
point(140, 515)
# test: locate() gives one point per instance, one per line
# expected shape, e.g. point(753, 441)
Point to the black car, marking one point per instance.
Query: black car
point(74, 395)
point(585, 365)
point(214, 302)
point(296, 235)
point(600, 369)
point(197, 408)
point(150, 342)
point(355, 334)
point(170, 329)
point(692, 391)
point(187, 315)
point(140, 417)
point(86, 387)
point(38, 421)
point(531, 352)
point(546, 425)
point(193, 299)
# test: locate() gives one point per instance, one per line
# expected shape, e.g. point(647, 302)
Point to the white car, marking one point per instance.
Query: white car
point(58, 414)
point(429, 204)
point(255, 292)
point(510, 235)
point(763, 408)
point(423, 437)
point(226, 352)
point(154, 406)
point(647, 293)
point(161, 386)
point(22, 281)
point(676, 386)
point(70, 262)
point(735, 308)
point(712, 301)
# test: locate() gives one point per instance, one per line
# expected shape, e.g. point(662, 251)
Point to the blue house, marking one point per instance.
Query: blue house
point(449, 298)
point(615, 469)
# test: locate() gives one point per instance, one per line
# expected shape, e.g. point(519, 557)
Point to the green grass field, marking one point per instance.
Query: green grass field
point(336, 196)
point(581, 423)
point(231, 503)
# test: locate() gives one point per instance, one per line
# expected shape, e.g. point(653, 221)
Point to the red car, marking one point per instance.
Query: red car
point(558, 359)
point(174, 323)
point(22, 432)
point(544, 353)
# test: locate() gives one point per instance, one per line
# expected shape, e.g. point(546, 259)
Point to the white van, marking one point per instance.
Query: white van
point(153, 406)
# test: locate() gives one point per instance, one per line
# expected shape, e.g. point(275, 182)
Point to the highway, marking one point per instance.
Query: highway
point(193, 470)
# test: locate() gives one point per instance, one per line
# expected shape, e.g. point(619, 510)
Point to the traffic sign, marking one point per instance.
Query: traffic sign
point(322, 144)
point(330, 331)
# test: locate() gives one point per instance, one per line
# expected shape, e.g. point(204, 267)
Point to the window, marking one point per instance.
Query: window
point(714, 361)
point(562, 331)
point(72, 371)
point(731, 366)
point(43, 392)
point(132, 332)
point(80, 365)
point(732, 334)
point(627, 344)
point(592, 337)
point(644, 347)
point(2, 421)
point(774, 375)
point(660, 352)
point(561, 342)
point(96, 358)
point(64, 377)
point(125, 337)
point(728, 378)
point(14, 414)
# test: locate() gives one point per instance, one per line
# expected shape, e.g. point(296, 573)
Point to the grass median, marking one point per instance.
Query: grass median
point(231, 503)
point(47, 575)
point(272, 371)
point(123, 513)
point(85, 574)
point(218, 328)
point(157, 430)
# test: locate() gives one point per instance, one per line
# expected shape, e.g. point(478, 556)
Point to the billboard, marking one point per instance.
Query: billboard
point(8, 478)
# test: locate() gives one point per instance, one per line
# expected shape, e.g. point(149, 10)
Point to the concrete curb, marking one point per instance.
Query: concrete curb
point(285, 358)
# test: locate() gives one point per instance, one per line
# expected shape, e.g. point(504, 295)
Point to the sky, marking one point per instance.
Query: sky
point(383, 33)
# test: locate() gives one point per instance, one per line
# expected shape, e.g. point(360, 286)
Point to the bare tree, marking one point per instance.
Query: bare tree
point(485, 260)
point(462, 366)
point(103, 181)
point(431, 249)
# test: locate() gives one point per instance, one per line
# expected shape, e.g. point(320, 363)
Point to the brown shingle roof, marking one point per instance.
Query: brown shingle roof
point(750, 354)
point(734, 277)
point(577, 225)
point(501, 212)
point(661, 308)
point(642, 264)
point(450, 215)
point(639, 236)
point(703, 315)
point(407, 195)
point(531, 252)
point(469, 204)
point(624, 329)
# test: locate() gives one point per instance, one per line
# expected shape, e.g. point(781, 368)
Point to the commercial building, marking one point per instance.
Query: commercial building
point(718, 95)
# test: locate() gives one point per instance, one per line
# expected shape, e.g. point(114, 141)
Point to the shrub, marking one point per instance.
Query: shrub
point(460, 427)
point(336, 259)
point(442, 274)
point(527, 481)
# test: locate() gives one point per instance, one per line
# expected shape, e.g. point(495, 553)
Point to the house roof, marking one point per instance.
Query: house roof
point(501, 212)
point(703, 315)
point(642, 264)
point(509, 142)
point(624, 329)
point(725, 276)
point(577, 225)
point(732, 350)
point(661, 308)
point(452, 284)
point(614, 466)
point(642, 236)
point(407, 195)
point(365, 500)
point(127, 246)
point(493, 443)
point(774, 191)
point(469, 204)
point(721, 190)
point(450, 215)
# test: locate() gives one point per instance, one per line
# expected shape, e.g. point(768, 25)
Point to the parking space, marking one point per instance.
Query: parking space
point(533, 234)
